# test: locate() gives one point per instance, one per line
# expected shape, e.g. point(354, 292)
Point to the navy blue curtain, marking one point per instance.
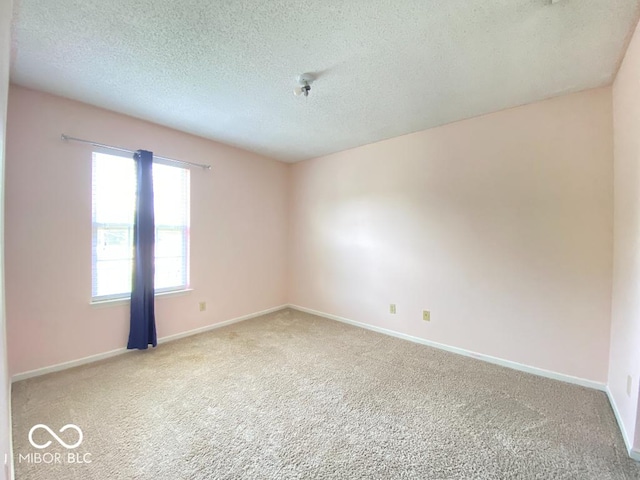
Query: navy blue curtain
point(142, 331)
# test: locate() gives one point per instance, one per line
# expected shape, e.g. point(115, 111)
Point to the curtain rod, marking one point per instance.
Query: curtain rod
point(110, 147)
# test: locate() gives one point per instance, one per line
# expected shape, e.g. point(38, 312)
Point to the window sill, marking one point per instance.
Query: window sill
point(124, 301)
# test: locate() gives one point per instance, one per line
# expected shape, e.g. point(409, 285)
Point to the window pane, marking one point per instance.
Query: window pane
point(114, 197)
point(170, 243)
point(114, 189)
point(169, 272)
point(171, 191)
point(114, 243)
point(115, 277)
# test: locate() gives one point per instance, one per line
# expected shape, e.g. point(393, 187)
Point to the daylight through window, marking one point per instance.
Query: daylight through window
point(114, 192)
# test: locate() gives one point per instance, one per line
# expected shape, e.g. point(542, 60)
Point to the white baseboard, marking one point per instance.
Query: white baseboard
point(119, 351)
point(70, 364)
point(634, 454)
point(461, 351)
point(206, 328)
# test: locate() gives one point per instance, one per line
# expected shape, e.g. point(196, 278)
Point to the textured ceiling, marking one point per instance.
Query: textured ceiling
point(226, 69)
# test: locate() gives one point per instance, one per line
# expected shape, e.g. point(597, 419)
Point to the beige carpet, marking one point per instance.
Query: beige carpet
point(291, 395)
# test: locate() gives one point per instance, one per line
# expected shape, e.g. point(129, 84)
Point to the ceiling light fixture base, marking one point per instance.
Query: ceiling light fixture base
point(304, 84)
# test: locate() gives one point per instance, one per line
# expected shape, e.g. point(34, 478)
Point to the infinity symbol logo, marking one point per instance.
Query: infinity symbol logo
point(53, 434)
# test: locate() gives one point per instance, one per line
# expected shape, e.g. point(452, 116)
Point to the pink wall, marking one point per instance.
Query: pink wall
point(238, 234)
point(5, 389)
point(500, 225)
point(625, 329)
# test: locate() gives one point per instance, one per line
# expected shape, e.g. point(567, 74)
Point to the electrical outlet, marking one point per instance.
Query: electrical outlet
point(392, 308)
point(426, 315)
point(629, 382)
point(202, 306)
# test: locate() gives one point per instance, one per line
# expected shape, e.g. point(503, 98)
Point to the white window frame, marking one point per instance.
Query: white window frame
point(185, 229)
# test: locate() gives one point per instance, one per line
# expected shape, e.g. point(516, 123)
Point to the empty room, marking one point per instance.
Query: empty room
point(313, 240)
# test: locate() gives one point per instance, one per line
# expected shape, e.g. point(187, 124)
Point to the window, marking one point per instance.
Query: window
point(113, 207)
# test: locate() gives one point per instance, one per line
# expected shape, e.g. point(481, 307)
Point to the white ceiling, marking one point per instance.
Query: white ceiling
point(226, 70)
